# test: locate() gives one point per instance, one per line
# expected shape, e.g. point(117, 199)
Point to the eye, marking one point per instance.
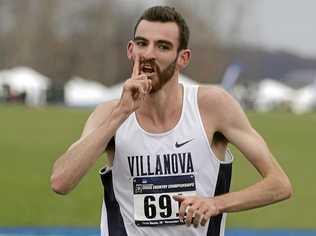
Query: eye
point(163, 47)
point(140, 43)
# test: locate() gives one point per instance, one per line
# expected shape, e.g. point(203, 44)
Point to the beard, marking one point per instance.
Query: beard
point(162, 76)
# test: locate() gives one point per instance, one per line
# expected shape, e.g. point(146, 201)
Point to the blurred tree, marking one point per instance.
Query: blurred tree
point(62, 39)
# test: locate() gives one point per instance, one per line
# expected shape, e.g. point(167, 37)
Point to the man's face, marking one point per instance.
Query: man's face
point(156, 43)
point(161, 77)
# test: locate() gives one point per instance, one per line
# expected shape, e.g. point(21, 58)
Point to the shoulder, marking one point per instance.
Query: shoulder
point(211, 94)
point(214, 99)
point(218, 105)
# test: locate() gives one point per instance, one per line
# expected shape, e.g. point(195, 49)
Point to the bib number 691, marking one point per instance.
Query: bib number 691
point(162, 205)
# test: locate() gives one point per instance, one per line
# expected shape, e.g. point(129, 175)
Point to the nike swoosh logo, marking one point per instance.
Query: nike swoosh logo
point(181, 144)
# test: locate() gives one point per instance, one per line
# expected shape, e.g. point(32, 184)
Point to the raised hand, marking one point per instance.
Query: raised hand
point(135, 89)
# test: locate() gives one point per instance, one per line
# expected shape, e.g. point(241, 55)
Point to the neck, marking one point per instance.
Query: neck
point(163, 104)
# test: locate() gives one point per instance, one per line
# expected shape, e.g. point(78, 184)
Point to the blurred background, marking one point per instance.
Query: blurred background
point(59, 59)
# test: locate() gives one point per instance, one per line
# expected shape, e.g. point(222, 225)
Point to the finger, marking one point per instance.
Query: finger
point(144, 76)
point(137, 90)
point(150, 74)
point(178, 198)
point(150, 86)
point(146, 84)
point(136, 66)
point(183, 206)
point(132, 85)
point(196, 219)
point(203, 220)
point(138, 87)
point(190, 211)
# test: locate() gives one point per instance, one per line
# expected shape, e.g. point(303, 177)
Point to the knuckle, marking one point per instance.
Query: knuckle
point(127, 83)
point(184, 204)
point(191, 211)
point(203, 221)
point(207, 215)
point(198, 214)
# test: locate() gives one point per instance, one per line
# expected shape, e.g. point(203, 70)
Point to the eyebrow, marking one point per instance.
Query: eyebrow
point(165, 42)
point(139, 38)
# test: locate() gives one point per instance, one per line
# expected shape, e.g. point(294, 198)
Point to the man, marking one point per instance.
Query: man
point(167, 144)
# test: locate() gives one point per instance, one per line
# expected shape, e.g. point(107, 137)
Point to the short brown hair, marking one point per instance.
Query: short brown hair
point(167, 14)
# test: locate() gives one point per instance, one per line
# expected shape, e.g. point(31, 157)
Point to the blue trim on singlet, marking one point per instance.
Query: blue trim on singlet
point(49, 231)
point(222, 186)
point(83, 231)
point(115, 221)
point(269, 232)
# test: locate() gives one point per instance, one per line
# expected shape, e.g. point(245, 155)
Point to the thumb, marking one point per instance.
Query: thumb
point(178, 198)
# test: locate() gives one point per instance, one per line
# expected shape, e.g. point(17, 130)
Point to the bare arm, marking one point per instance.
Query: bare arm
point(70, 167)
point(233, 124)
point(78, 159)
point(274, 186)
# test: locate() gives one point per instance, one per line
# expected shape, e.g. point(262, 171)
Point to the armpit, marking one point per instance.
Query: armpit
point(110, 150)
point(219, 145)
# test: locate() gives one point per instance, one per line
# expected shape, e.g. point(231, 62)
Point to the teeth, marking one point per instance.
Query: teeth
point(148, 69)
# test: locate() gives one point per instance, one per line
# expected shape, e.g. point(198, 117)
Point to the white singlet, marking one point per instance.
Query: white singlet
point(149, 168)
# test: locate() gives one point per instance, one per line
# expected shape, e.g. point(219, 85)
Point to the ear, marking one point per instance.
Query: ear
point(184, 58)
point(130, 48)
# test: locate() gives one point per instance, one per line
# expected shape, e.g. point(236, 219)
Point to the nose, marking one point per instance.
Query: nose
point(149, 52)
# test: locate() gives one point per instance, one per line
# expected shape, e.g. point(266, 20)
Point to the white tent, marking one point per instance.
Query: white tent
point(84, 93)
point(271, 93)
point(305, 99)
point(24, 79)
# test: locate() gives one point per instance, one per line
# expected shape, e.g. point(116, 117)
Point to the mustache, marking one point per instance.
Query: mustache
point(150, 61)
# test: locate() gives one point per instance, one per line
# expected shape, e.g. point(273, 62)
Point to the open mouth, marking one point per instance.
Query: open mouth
point(147, 68)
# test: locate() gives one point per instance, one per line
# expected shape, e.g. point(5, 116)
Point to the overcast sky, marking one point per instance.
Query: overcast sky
point(280, 24)
point(273, 24)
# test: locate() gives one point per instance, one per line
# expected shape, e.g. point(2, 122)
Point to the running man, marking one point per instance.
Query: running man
point(169, 165)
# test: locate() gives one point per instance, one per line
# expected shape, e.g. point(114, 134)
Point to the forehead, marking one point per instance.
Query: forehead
point(158, 31)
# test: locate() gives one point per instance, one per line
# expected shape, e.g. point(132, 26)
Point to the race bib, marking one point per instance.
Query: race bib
point(153, 202)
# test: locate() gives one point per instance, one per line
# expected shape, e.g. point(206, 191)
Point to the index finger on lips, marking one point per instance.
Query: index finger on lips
point(136, 66)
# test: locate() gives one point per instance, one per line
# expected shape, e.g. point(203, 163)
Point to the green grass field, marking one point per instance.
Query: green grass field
point(31, 139)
